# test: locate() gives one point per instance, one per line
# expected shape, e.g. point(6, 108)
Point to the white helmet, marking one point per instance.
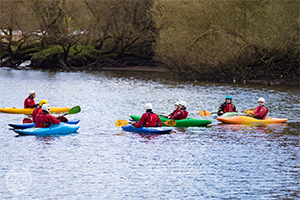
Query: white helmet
point(148, 106)
point(46, 107)
point(177, 103)
point(30, 92)
point(261, 99)
point(183, 103)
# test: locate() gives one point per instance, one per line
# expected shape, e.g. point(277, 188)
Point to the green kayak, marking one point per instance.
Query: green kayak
point(180, 123)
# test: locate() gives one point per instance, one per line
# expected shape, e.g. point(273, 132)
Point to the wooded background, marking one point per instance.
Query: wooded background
point(201, 40)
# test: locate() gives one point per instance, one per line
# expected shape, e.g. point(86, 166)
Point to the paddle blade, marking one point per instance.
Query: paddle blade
point(121, 122)
point(170, 123)
point(249, 111)
point(204, 113)
point(27, 121)
point(74, 110)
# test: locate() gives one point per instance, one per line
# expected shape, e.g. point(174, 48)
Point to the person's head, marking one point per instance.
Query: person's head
point(261, 101)
point(46, 107)
point(42, 101)
point(176, 105)
point(228, 99)
point(31, 94)
point(148, 106)
point(182, 104)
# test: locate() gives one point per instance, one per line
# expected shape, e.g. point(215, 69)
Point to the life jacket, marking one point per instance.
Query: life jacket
point(264, 115)
point(40, 120)
point(35, 112)
point(152, 120)
point(29, 103)
point(228, 107)
point(186, 114)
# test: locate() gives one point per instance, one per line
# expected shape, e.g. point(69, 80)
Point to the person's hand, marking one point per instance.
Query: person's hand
point(132, 122)
point(221, 112)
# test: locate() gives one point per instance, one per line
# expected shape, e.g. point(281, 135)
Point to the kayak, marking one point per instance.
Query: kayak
point(179, 123)
point(59, 129)
point(250, 120)
point(30, 110)
point(23, 126)
point(228, 114)
point(147, 130)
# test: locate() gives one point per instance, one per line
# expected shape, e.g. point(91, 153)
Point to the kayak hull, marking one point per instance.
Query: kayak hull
point(60, 129)
point(146, 130)
point(30, 125)
point(29, 111)
point(250, 120)
point(180, 123)
point(228, 114)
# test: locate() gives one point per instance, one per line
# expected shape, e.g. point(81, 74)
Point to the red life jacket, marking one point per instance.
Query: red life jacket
point(229, 108)
point(152, 120)
point(35, 112)
point(43, 120)
point(29, 103)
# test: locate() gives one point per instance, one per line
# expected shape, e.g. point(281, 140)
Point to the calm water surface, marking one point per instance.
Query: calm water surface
point(103, 162)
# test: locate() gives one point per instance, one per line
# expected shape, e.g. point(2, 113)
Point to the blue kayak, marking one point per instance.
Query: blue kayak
point(146, 130)
point(23, 126)
point(59, 129)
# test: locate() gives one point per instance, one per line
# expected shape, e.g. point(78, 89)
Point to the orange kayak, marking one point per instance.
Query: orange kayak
point(250, 120)
point(29, 111)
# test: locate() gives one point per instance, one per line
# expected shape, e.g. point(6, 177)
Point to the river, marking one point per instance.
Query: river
point(101, 161)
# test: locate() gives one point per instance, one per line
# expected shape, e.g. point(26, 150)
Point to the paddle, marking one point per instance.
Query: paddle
point(27, 121)
point(74, 110)
point(123, 122)
point(206, 113)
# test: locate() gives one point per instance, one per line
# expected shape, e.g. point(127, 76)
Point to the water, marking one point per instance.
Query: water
point(103, 162)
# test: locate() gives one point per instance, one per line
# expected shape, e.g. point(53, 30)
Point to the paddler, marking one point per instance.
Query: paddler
point(181, 113)
point(38, 109)
point(176, 108)
point(227, 106)
point(44, 119)
point(148, 119)
point(260, 111)
point(29, 101)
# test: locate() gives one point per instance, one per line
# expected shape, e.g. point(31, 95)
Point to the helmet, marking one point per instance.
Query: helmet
point(30, 92)
point(42, 101)
point(177, 104)
point(183, 103)
point(46, 107)
point(261, 99)
point(148, 106)
point(228, 97)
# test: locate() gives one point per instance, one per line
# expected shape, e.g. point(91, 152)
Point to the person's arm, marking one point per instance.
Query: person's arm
point(53, 120)
point(221, 109)
point(31, 103)
point(159, 122)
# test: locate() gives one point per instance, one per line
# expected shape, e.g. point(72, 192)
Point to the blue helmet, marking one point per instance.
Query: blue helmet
point(228, 97)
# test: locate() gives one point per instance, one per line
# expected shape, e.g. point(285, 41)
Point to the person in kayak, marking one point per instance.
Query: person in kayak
point(260, 111)
point(181, 113)
point(173, 113)
point(227, 106)
point(148, 119)
point(29, 101)
point(44, 119)
point(38, 109)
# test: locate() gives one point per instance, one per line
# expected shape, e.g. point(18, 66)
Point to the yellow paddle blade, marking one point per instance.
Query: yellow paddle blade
point(121, 122)
point(204, 113)
point(170, 123)
point(249, 111)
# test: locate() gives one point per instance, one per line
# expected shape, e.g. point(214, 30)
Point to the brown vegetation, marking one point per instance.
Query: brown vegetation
point(201, 40)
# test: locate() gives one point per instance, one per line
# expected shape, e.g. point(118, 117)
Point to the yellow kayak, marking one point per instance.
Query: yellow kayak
point(29, 111)
point(250, 120)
